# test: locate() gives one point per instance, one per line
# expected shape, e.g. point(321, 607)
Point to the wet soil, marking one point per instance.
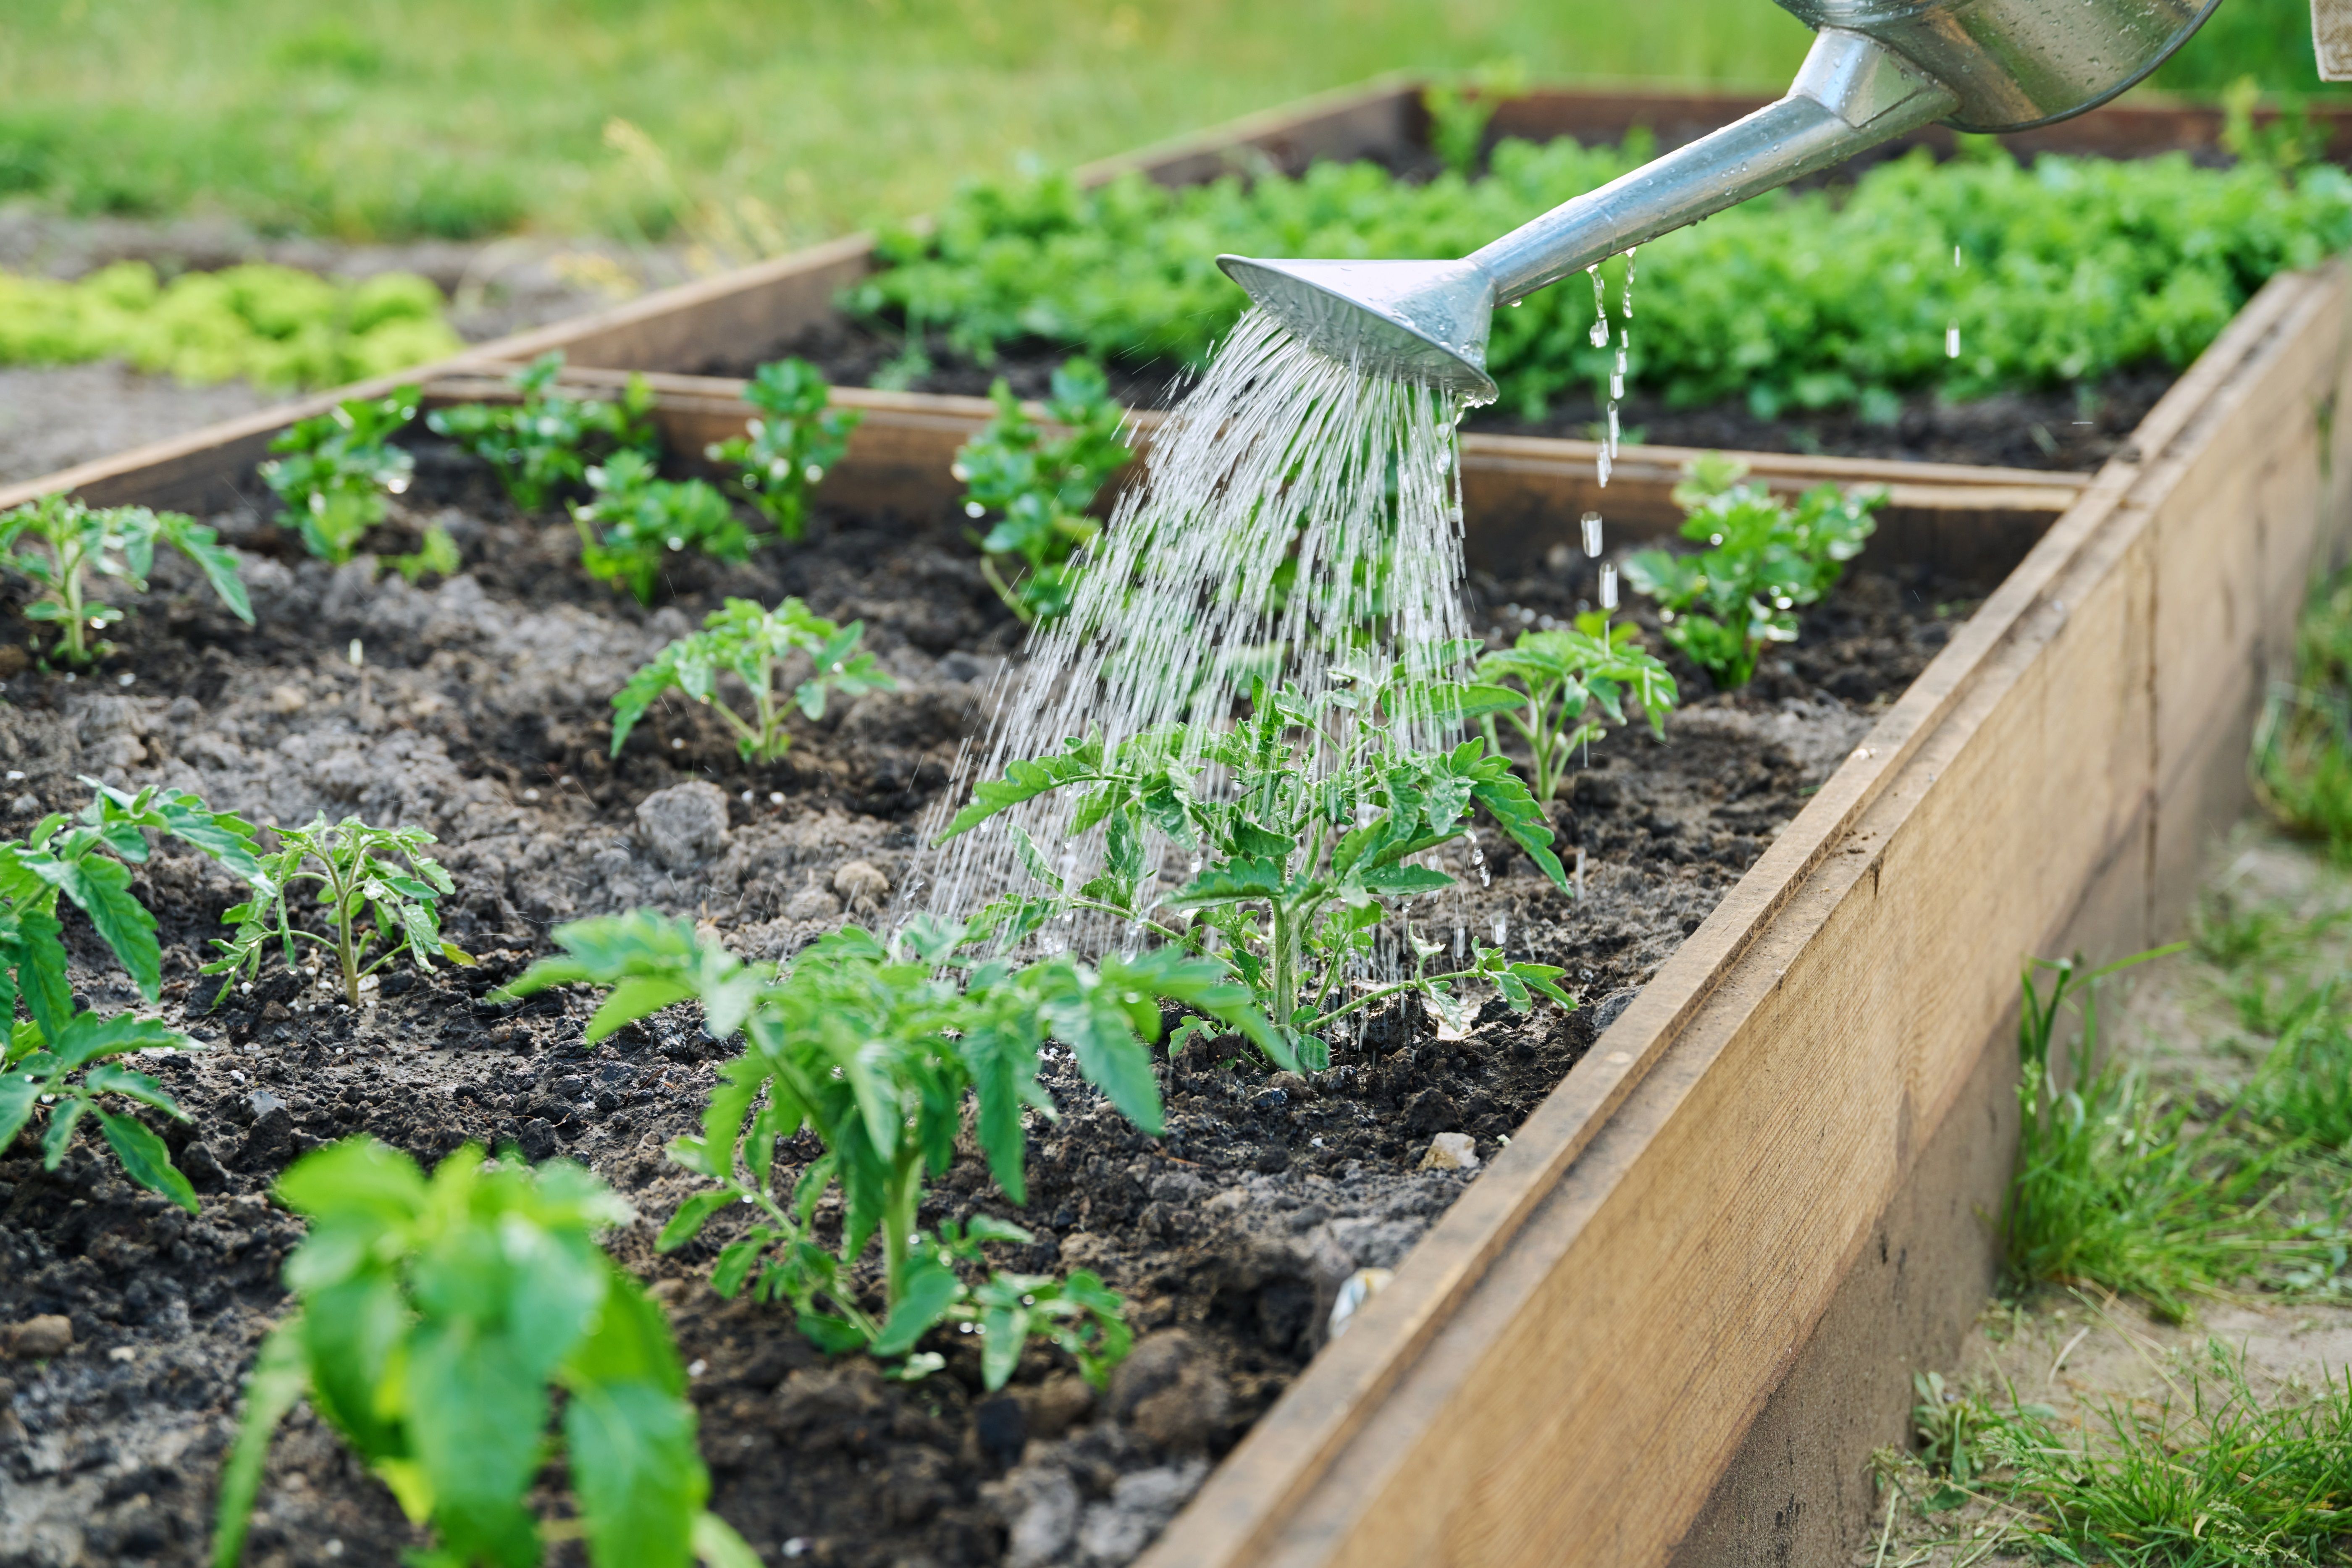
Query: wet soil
point(482, 716)
point(2053, 429)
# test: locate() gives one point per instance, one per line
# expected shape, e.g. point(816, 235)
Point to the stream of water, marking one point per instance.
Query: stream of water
point(1293, 512)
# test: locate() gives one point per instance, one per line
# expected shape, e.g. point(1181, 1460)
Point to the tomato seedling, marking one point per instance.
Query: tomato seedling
point(635, 518)
point(376, 886)
point(876, 1049)
point(1043, 484)
point(752, 643)
point(434, 1318)
point(60, 1055)
point(1724, 604)
point(337, 469)
point(783, 455)
point(545, 443)
point(1567, 673)
point(57, 543)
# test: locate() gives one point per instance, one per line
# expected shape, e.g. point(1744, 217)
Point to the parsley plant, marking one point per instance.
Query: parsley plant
point(545, 443)
point(635, 518)
point(779, 461)
point(338, 466)
point(1043, 483)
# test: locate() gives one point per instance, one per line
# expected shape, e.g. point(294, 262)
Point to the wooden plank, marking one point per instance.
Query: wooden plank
point(1665, 1213)
point(1521, 495)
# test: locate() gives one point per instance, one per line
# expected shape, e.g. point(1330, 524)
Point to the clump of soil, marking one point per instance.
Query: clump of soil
point(483, 716)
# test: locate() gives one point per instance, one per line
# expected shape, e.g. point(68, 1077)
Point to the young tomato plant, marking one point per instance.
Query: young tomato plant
point(777, 464)
point(874, 1050)
point(1565, 675)
point(1043, 484)
point(546, 443)
point(56, 543)
point(59, 1056)
point(370, 898)
point(337, 467)
point(433, 1318)
point(1723, 605)
point(636, 517)
point(1325, 816)
point(751, 644)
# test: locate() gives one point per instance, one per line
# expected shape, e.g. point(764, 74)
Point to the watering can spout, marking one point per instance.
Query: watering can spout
point(1877, 69)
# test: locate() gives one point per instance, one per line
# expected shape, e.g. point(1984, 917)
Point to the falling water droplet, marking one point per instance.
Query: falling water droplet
point(1460, 936)
point(1592, 534)
point(1599, 336)
point(1502, 924)
point(1952, 341)
point(1631, 251)
point(1608, 587)
point(1601, 464)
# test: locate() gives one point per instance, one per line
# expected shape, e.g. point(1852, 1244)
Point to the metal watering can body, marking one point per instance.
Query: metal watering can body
point(1877, 69)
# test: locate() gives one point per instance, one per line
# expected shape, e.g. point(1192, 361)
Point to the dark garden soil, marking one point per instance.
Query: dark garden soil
point(2054, 429)
point(482, 716)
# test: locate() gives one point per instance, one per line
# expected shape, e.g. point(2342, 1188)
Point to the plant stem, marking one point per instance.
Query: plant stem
point(898, 1223)
point(1418, 983)
point(69, 590)
point(1028, 617)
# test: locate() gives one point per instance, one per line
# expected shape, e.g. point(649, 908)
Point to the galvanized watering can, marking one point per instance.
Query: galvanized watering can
point(1878, 69)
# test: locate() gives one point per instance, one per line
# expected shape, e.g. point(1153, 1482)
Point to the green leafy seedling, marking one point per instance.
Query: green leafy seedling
point(1565, 675)
point(877, 1051)
point(1327, 813)
point(751, 644)
point(1460, 110)
point(434, 1320)
point(546, 443)
point(436, 556)
point(1724, 605)
point(1042, 483)
point(56, 543)
point(635, 518)
point(338, 466)
point(378, 889)
point(786, 449)
point(60, 1057)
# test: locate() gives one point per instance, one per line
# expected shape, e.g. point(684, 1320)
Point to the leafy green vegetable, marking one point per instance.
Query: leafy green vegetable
point(874, 1050)
point(2071, 269)
point(545, 442)
point(433, 1319)
point(436, 554)
point(274, 326)
point(781, 459)
point(1327, 814)
point(1724, 604)
point(57, 541)
point(1565, 673)
point(635, 518)
point(1043, 484)
point(337, 468)
point(1459, 111)
point(750, 643)
point(370, 896)
point(59, 1056)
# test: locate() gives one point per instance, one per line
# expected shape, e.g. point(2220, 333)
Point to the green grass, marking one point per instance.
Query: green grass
point(2303, 749)
point(753, 127)
point(2168, 1194)
point(2205, 1476)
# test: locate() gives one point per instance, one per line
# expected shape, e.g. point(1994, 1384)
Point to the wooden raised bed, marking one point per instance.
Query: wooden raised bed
point(1671, 1320)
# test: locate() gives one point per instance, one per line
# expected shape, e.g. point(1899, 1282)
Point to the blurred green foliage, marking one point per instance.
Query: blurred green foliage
point(2055, 274)
point(276, 326)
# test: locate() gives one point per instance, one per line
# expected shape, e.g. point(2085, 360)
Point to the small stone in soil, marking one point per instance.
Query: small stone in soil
point(1451, 1152)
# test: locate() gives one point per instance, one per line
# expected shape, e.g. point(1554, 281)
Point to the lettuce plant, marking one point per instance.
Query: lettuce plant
point(337, 469)
point(1724, 604)
point(61, 1056)
point(1567, 673)
point(777, 464)
point(634, 517)
point(434, 1317)
point(751, 644)
point(56, 543)
point(1042, 484)
point(376, 886)
point(546, 443)
point(876, 1049)
point(1327, 813)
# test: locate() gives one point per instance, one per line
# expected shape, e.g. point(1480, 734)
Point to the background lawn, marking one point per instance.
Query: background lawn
point(756, 126)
